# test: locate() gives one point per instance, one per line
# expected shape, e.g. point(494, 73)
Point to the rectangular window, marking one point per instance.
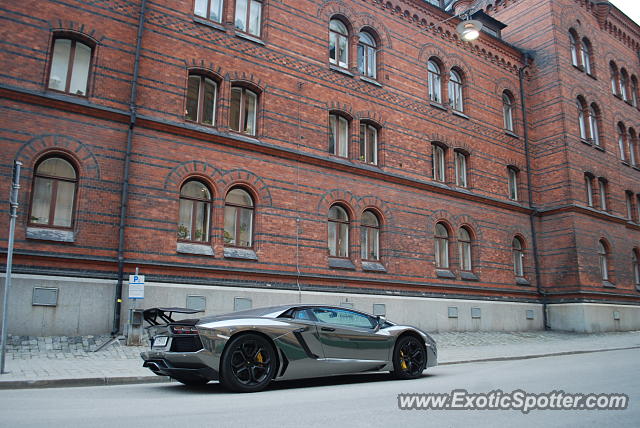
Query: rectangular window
point(629, 201)
point(249, 16)
point(588, 186)
point(513, 184)
point(368, 144)
point(461, 169)
point(338, 135)
point(439, 164)
point(243, 110)
point(209, 9)
point(602, 189)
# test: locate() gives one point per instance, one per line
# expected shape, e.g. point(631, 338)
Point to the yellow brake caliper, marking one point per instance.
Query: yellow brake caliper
point(403, 363)
point(259, 358)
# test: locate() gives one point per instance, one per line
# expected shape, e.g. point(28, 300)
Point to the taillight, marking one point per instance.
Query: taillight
point(183, 329)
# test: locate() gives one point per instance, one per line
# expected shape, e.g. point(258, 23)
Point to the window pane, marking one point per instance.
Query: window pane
point(200, 8)
point(201, 232)
point(80, 73)
point(230, 225)
point(333, 238)
point(57, 167)
point(246, 227)
point(256, 16)
point(332, 47)
point(372, 145)
point(343, 240)
point(364, 244)
point(241, 15)
point(333, 129)
point(361, 59)
point(60, 64)
point(239, 197)
point(185, 222)
point(338, 213)
point(195, 189)
point(193, 90)
point(209, 102)
point(234, 115)
point(374, 238)
point(250, 112)
point(342, 137)
point(342, 51)
point(216, 10)
point(41, 200)
point(64, 204)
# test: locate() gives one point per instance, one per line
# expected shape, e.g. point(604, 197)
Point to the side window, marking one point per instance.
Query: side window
point(53, 197)
point(70, 65)
point(302, 314)
point(343, 317)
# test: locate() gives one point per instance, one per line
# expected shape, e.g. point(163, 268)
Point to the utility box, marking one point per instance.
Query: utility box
point(135, 330)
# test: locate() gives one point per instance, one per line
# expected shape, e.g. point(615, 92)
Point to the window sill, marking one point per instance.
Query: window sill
point(597, 147)
point(608, 284)
point(46, 234)
point(209, 23)
point(578, 67)
point(522, 281)
point(468, 276)
point(445, 273)
point(438, 105)
point(190, 248)
point(511, 134)
point(370, 80)
point(586, 141)
point(338, 263)
point(240, 253)
point(591, 75)
point(625, 163)
point(341, 70)
point(250, 38)
point(373, 266)
point(636, 167)
point(459, 113)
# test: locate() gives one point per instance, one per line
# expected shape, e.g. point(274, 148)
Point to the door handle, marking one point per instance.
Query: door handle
point(327, 329)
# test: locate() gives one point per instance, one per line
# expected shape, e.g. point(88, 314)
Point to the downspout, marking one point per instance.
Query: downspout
point(124, 197)
point(534, 211)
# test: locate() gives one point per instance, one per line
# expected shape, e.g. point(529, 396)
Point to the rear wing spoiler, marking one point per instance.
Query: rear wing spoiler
point(157, 316)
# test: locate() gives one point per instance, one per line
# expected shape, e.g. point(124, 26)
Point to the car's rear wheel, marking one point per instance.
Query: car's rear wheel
point(409, 358)
point(248, 363)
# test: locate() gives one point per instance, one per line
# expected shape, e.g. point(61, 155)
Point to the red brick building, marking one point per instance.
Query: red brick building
point(246, 152)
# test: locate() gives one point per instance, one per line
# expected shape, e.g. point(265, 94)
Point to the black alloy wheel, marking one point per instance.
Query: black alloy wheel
point(409, 358)
point(248, 363)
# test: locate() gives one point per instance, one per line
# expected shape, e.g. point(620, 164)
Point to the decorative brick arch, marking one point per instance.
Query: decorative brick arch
point(466, 220)
point(367, 20)
point(185, 169)
point(371, 116)
point(332, 8)
point(429, 50)
point(248, 79)
point(503, 84)
point(436, 217)
point(523, 234)
point(33, 148)
point(240, 177)
point(456, 61)
point(342, 107)
point(202, 65)
point(73, 27)
point(439, 138)
point(378, 205)
point(335, 196)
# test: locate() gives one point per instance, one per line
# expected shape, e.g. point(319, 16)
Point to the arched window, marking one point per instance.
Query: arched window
point(338, 135)
point(338, 43)
point(338, 232)
point(368, 143)
point(635, 267)
point(439, 164)
point(464, 247)
point(594, 114)
point(455, 91)
point(633, 146)
point(244, 105)
point(201, 99)
point(582, 124)
point(54, 192)
point(367, 55)
point(613, 70)
point(238, 218)
point(442, 246)
point(507, 110)
point(195, 212)
point(209, 9)
point(622, 137)
point(518, 257)
point(573, 45)
point(585, 50)
point(370, 236)
point(70, 65)
point(624, 82)
point(604, 263)
point(435, 82)
point(249, 16)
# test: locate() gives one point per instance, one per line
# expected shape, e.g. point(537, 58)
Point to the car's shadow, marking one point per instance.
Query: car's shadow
point(216, 387)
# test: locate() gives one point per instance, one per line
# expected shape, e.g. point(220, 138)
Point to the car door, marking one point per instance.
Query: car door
point(347, 334)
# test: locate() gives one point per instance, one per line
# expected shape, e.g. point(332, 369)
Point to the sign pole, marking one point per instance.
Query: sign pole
point(13, 206)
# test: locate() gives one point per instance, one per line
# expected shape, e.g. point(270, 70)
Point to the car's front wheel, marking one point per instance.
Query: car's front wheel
point(409, 358)
point(248, 363)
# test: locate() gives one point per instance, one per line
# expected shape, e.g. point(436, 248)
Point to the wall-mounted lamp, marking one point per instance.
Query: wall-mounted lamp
point(469, 29)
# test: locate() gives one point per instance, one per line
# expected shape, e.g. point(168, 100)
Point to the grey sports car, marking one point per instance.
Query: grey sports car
point(246, 350)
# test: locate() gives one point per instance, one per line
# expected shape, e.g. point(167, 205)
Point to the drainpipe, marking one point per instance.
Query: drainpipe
point(124, 196)
point(534, 211)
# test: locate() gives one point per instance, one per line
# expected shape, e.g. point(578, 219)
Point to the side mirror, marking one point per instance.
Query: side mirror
point(381, 320)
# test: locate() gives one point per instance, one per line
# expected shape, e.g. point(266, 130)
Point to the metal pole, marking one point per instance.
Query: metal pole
point(13, 203)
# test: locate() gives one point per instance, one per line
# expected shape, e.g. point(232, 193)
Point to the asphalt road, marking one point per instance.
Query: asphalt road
point(351, 401)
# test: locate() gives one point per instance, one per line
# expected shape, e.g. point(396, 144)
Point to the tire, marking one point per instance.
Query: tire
point(409, 358)
point(248, 364)
point(192, 381)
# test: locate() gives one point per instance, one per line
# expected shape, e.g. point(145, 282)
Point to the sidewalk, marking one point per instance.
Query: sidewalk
point(40, 362)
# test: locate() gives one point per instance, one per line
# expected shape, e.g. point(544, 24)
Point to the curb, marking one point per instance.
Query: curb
point(88, 381)
point(131, 380)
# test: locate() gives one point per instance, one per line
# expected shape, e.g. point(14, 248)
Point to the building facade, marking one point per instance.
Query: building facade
point(246, 153)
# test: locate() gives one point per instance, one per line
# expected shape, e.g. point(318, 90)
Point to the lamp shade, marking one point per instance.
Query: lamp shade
point(469, 30)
